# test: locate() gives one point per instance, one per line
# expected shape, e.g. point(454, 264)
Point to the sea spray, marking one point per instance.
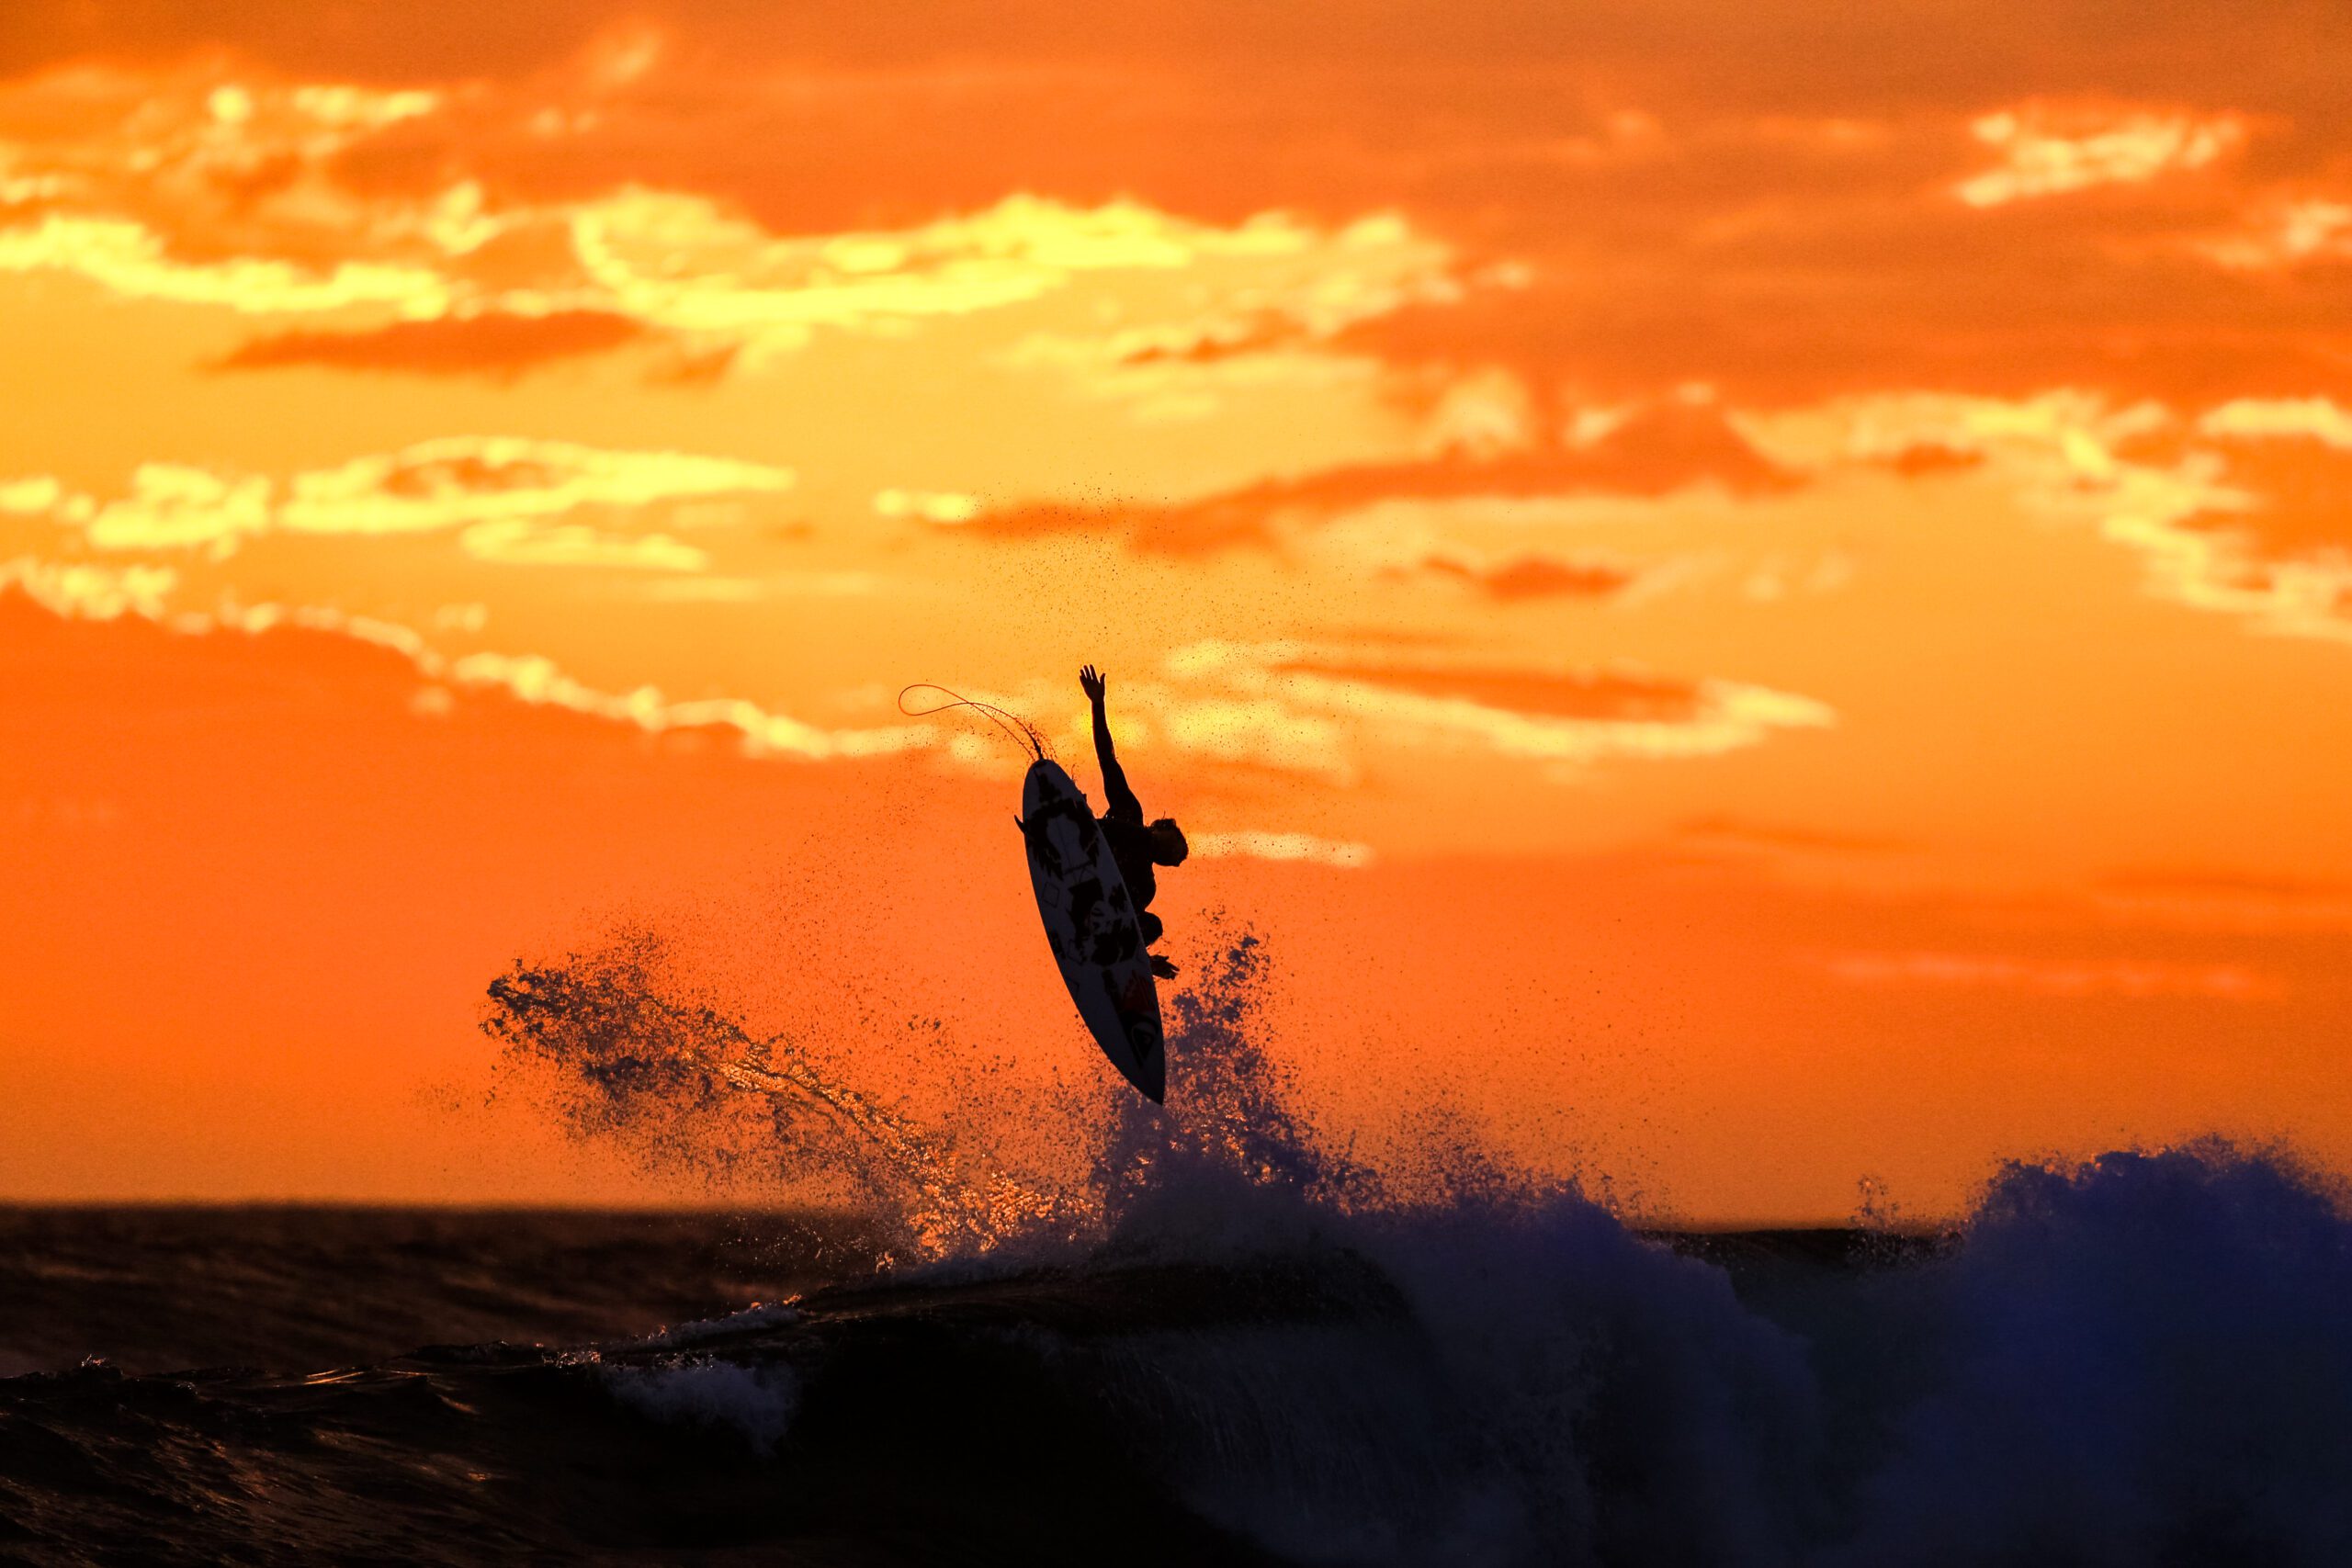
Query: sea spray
point(2141, 1357)
point(1443, 1358)
point(623, 1053)
point(621, 1048)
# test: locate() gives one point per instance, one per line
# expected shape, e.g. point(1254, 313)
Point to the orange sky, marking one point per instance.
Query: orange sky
point(1750, 601)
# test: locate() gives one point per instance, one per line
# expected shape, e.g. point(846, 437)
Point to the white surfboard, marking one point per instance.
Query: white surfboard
point(1090, 925)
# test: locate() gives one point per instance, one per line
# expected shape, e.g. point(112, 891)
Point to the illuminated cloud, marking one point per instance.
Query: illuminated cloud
point(2279, 524)
point(2049, 151)
point(2057, 977)
point(124, 257)
point(98, 592)
point(463, 480)
point(31, 496)
point(1332, 703)
point(946, 507)
point(350, 108)
point(515, 541)
point(1255, 731)
point(269, 198)
point(172, 506)
point(2056, 442)
point(1282, 847)
point(81, 591)
point(687, 263)
point(1655, 450)
point(503, 490)
point(2286, 234)
point(2318, 418)
point(1262, 319)
point(1582, 694)
point(535, 678)
point(1211, 342)
point(2249, 522)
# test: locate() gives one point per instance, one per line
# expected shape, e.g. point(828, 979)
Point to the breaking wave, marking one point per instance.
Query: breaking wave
point(2143, 1358)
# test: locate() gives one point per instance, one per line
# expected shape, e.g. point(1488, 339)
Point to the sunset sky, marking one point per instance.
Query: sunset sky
point(1750, 596)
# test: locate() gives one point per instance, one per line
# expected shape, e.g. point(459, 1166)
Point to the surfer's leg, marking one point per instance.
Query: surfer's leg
point(1148, 923)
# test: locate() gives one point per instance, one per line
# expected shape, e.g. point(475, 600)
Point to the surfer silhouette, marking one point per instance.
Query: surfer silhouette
point(1137, 846)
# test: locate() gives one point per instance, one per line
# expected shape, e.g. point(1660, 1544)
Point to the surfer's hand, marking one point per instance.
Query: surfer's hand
point(1091, 682)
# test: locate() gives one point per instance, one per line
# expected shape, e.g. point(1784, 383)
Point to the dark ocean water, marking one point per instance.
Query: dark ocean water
point(258, 1385)
point(1220, 1341)
point(2146, 1362)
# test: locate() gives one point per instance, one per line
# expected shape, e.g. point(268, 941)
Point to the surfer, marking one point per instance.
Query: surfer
point(1137, 845)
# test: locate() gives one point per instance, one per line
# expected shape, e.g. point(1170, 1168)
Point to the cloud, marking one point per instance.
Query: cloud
point(1612, 696)
point(1304, 847)
point(1306, 708)
point(2286, 233)
point(1656, 450)
point(96, 593)
point(1708, 203)
point(32, 495)
point(2048, 150)
point(2242, 511)
point(2318, 418)
point(206, 186)
point(1212, 341)
point(945, 507)
point(493, 343)
point(1256, 321)
point(503, 490)
point(2277, 525)
point(90, 592)
point(130, 259)
point(535, 678)
point(2057, 977)
point(462, 480)
point(686, 263)
point(1534, 576)
point(514, 541)
point(83, 592)
point(174, 506)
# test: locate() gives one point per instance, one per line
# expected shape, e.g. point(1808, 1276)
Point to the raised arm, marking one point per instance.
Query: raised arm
point(1119, 800)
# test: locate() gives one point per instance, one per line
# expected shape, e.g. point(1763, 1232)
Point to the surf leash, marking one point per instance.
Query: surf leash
point(1023, 733)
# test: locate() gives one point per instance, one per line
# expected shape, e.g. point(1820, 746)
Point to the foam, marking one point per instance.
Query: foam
point(756, 1402)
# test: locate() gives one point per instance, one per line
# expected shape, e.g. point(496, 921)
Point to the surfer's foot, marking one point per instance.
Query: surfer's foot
point(1161, 967)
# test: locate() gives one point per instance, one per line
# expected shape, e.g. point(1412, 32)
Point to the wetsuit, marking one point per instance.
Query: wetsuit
point(1122, 824)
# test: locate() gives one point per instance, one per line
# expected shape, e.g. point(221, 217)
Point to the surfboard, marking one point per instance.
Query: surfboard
point(1090, 926)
